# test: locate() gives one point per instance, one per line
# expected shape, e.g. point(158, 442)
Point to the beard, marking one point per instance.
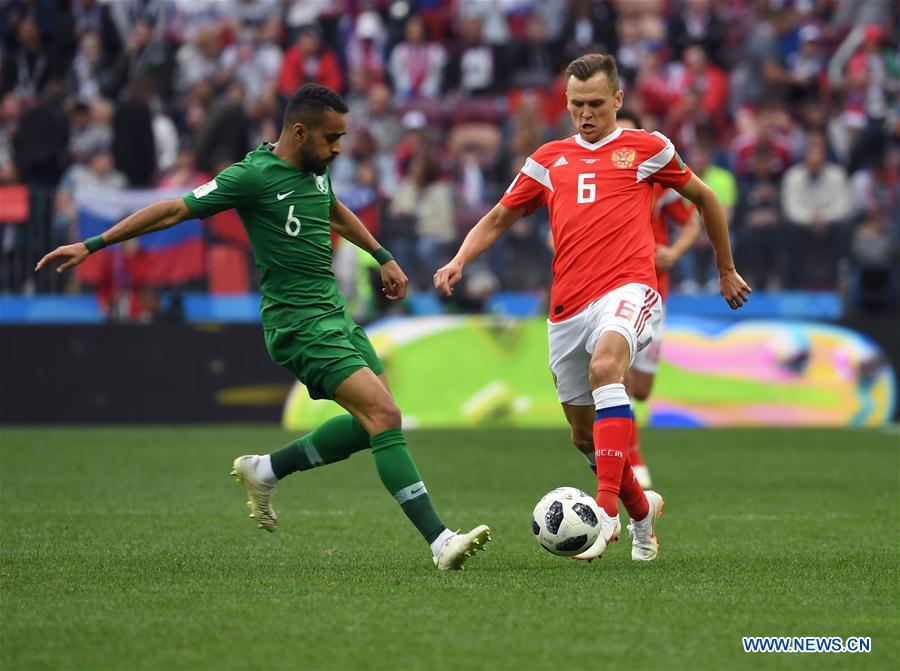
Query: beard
point(313, 165)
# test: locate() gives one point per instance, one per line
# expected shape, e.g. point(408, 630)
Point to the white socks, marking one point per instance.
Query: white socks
point(264, 470)
point(438, 543)
point(610, 396)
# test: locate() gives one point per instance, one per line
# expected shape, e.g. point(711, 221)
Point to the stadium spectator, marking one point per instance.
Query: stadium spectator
point(253, 61)
point(590, 28)
point(759, 70)
point(90, 75)
point(94, 17)
point(490, 17)
point(309, 60)
point(709, 81)
point(90, 126)
point(867, 72)
point(134, 145)
point(40, 158)
point(815, 198)
point(805, 66)
point(761, 135)
point(28, 64)
point(144, 56)
point(474, 66)
point(225, 135)
point(165, 137)
point(425, 202)
point(9, 120)
point(534, 60)
point(696, 269)
point(365, 48)
point(95, 170)
point(416, 64)
point(184, 174)
point(698, 23)
point(198, 60)
point(233, 64)
point(758, 228)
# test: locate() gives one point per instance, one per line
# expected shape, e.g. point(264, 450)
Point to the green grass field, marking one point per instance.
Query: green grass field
point(130, 548)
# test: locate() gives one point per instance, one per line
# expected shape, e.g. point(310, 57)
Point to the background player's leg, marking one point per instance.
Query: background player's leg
point(581, 420)
point(638, 384)
point(632, 493)
point(367, 399)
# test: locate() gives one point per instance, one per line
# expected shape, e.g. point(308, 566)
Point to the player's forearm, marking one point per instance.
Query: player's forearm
point(348, 226)
point(713, 216)
point(155, 217)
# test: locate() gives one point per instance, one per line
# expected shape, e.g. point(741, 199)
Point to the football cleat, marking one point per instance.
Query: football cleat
point(460, 547)
point(644, 545)
point(610, 530)
point(260, 493)
point(642, 475)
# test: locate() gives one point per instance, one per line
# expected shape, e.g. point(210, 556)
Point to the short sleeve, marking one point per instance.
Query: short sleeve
point(678, 210)
point(230, 188)
point(665, 167)
point(525, 192)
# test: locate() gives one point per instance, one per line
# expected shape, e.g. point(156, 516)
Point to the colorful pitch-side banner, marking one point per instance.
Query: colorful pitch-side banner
point(468, 371)
point(170, 256)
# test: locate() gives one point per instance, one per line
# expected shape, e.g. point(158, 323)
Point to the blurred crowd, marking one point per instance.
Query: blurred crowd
point(788, 109)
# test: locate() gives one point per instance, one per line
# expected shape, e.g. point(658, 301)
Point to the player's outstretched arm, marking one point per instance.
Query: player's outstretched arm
point(348, 226)
point(484, 234)
point(154, 217)
point(732, 286)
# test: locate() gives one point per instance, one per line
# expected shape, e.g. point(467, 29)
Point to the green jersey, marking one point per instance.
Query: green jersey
point(286, 214)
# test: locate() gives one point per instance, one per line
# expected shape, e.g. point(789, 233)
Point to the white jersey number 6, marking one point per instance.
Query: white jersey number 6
point(292, 224)
point(587, 193)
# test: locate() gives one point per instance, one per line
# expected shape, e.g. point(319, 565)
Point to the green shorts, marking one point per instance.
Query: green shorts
point(323, 351)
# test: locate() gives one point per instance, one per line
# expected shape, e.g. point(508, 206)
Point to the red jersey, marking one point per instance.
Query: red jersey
point(668, 206)
point(599, 196)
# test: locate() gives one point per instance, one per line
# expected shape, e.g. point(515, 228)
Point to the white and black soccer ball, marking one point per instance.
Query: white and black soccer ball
point(566, 521)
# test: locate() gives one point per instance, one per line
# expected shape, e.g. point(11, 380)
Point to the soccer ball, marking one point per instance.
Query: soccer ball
point(566, 521)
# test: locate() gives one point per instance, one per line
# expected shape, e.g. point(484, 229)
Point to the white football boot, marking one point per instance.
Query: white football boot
point(644, 546)
point(259, 491)
point(642, 475)
point(460, 547)
point(610, 530)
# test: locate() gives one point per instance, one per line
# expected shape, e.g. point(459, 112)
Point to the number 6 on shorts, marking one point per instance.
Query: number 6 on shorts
point(626, 310)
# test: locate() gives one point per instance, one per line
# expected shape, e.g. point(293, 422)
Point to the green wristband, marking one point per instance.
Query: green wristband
point(95, 244)
point(382, 256)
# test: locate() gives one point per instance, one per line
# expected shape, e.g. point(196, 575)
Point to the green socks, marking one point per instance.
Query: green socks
point(401, 478)
point(334, 440)
point(340, 437)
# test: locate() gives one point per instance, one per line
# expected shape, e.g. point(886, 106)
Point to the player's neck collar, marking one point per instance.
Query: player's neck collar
point(599, 143)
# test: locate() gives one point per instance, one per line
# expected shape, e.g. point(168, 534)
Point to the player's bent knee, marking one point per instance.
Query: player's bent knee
point(640, 392)
point(384, 416)
point(605, 369)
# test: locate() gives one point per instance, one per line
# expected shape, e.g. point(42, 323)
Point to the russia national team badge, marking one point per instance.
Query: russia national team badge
point(322, 184)
point(624, 158)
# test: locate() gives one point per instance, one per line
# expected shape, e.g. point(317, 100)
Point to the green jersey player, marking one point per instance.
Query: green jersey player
point(282, 193)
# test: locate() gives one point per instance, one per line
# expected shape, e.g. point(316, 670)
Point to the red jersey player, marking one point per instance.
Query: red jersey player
point(604, 305)
point(668, 208)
